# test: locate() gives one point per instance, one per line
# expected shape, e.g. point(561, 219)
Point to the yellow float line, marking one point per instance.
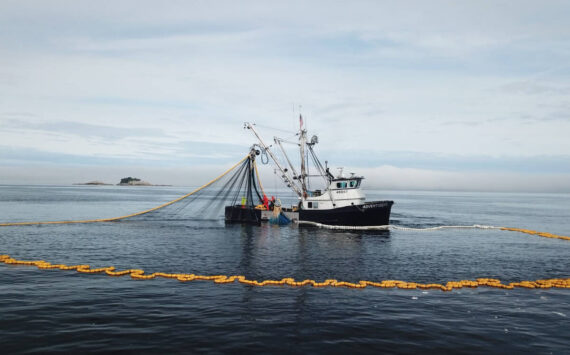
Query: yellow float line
point(129, 215)
point(139, 274)
point(429, 229)
point(541, 234)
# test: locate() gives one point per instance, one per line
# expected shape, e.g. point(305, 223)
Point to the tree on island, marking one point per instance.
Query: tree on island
point(128, 180)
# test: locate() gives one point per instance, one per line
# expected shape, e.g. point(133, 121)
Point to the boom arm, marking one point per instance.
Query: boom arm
point(284, 173)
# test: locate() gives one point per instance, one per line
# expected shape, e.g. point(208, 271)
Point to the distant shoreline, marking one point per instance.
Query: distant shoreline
point(99, 183)
point(132, 183)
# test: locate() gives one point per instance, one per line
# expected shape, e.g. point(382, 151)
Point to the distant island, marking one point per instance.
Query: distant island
point(132, 181)
point(127, 181)
point(95, 182)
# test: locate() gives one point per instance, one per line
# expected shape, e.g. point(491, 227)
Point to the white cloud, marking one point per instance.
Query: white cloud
point(389, 177)
point(441, 77)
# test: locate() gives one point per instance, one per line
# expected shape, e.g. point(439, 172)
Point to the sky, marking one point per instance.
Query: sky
point(445, 95)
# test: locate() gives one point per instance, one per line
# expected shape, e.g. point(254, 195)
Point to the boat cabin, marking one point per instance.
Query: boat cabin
point(346, 183)
point(342, 191)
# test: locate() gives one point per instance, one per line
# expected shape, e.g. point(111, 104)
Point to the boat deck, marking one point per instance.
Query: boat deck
point(292, 215)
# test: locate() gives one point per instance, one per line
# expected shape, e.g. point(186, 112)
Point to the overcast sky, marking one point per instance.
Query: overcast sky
point(413, 94)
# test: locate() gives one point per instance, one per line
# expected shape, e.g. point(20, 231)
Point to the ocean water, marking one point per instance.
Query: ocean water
point(50, 311)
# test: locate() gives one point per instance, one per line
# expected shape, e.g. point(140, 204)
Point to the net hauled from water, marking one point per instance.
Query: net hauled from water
point(237, 185)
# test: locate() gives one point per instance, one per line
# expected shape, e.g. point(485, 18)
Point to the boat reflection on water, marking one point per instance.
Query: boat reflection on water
point(273, 252)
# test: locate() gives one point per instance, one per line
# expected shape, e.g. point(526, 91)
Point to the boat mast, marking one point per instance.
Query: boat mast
point(302, 142)
point(285, 174)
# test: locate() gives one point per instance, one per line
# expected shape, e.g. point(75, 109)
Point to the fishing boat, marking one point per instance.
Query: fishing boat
point(340, 200)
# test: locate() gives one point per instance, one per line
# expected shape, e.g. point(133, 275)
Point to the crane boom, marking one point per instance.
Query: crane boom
point(285, 175)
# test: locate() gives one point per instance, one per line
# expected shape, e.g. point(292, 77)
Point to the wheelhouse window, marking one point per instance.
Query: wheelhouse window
point(353, 184)
point(341, 185)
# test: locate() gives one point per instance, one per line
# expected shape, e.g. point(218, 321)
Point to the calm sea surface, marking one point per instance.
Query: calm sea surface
point(49, 311)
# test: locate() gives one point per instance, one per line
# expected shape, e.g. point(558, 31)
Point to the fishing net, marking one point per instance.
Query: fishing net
point(238, 187)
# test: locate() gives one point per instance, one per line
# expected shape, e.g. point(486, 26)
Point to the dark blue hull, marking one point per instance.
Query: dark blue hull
point(376, 213)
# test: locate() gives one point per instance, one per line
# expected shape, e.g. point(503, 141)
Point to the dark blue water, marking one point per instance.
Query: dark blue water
point(46, 311)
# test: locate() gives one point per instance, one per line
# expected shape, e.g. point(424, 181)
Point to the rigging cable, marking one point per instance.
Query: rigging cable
point(258, 179)
point(264, 154)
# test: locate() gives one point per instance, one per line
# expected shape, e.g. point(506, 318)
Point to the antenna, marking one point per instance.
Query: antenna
point(300, 115)
point(294, 112)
